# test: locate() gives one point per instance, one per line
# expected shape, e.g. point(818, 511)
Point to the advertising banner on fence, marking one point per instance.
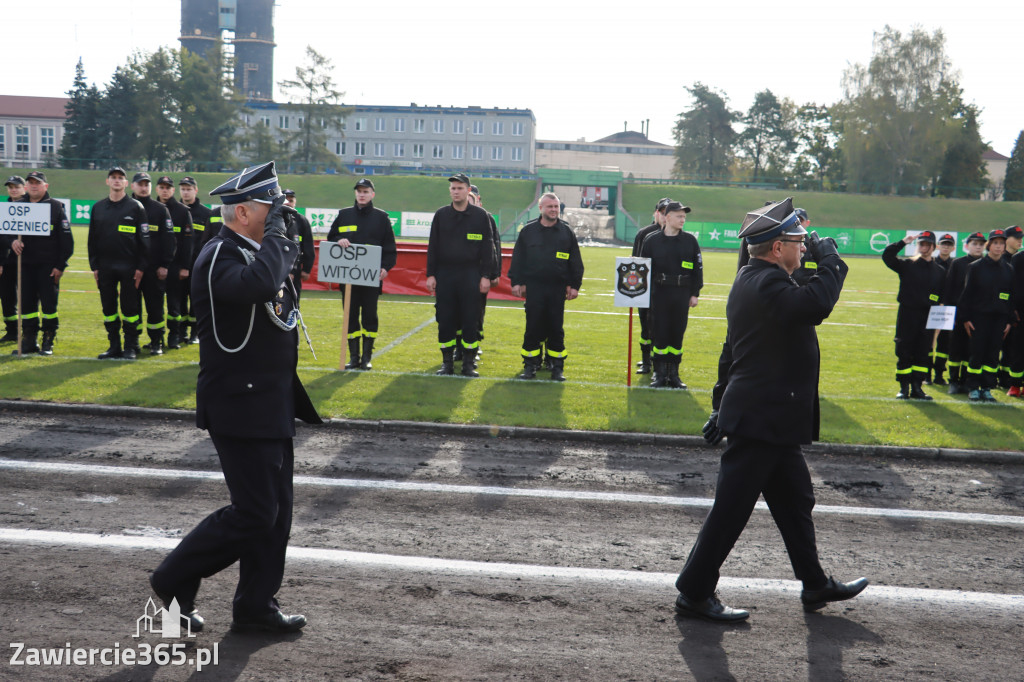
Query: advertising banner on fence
point(416, 224)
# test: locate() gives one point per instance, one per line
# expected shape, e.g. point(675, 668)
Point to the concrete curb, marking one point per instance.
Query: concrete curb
point(529, 433)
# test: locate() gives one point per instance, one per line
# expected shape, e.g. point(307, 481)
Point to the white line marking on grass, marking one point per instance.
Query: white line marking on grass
point(500, 491)
point(876, 593)
point(403, 337)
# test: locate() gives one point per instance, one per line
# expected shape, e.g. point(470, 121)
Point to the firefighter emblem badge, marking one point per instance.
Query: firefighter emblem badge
point(632, 280)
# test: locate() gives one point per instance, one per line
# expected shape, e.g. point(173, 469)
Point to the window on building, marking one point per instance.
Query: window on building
point(3, 138)
point(418, 125)
point(361, 124)
point(282, 122)
point(339, 148)
point(46, 145)
point(478, 127)
point(378, 149)
point(459, 127)
point(265, 120)
point(417, 151)
point(438, 152)
point(300, 122)
point(360, 148)
point(380, 125)
point(517, 154)
point(21, 139)
point(498, 128)
point(457, 151)
point(438, 125)
point(497, 153)
point(517, 127)
point(399, 125)
point(399, 149)
point(478, 152)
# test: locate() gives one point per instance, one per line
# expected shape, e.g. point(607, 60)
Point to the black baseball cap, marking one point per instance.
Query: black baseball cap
point(15, 180)
point(660, 206)
point(36, 175)
point(947, 239)
point(288, 192)
point(474, 190)
point(997, 234)
point(928, 237)
point(1014, 231)
point(976, 235)
point(364, 182)
point(188, 180)
point(116, 169)
point(460, 177)
point(140, 176)
point(801, 213)
point(676, 206)
point(165, 180)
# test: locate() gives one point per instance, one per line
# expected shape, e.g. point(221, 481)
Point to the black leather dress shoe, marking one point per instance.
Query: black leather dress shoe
point(710, 609)
point(195, 621)
point(272, 622)
point(833, 591)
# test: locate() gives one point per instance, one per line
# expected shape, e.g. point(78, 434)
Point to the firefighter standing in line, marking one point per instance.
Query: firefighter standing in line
point(9, 269)
point(161, 260)
point(1016, 336)
point(546, 269)
point(477, 200)
point(1017, 333)
point(921, 281)
point(202, 231)
point(300, 232)
point(940, 351)
point(118, 246)
point(952, 290)
point(643, 314)
point(363, 223)
point(986, 306)
point(43, 261)
point(677, 276)
point(178, 274)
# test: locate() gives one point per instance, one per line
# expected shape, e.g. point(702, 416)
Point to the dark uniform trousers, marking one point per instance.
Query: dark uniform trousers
point(545, 314)
point(940, 356)
point(119, 284)
point(985, 343)
point(9, 294)
point(362, 315)
point(751, 468)
point(458, 306)
point(151, 292)
point(670, 306)
point(959, 352)
point(177, 306)
point(913, 343)
point(38, 290)
point(1017, 354)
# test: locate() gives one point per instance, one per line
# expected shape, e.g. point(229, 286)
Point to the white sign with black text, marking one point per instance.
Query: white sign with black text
point(357, 264)
point(20, 217)
point(941, 317)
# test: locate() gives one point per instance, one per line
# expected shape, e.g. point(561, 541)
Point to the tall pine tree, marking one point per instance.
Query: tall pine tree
point(79, 147)
point(1013, 183)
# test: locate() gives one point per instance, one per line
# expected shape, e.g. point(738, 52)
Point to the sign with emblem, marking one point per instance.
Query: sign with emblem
point(22, 217)
point(632, 282)
point(358, 264)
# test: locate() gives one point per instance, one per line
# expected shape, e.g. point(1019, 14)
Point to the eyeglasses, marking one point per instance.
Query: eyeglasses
point(793, 241)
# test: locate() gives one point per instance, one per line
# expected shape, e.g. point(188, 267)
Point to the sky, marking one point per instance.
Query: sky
point(586, 69)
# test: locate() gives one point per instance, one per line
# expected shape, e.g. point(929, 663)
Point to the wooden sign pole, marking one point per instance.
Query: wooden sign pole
point(347, 307)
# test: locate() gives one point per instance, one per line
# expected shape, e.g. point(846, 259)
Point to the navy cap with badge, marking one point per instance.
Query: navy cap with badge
point(36, 175)
point(1014, 231)
point(364, 182)
point(256, 183)
point(188, 180)
point(141, 176)
point(165, 180)
point(15, 180)
point(768, 222)
point(975, 236)
point(997, 234)
point(927, 236)
point(460, 177)
point(947, 239)
point(672, 206)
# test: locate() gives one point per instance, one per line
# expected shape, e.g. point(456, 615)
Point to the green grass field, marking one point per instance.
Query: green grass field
point(857, 379)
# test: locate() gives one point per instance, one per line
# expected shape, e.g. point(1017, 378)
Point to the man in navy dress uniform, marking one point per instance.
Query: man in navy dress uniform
point(247, 396)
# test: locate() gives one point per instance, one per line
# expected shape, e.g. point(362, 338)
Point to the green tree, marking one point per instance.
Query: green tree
point(704, 135)
point(319, 106)
point(159, 110)
point(817, 140)
point(1013, 183)
point(210, 109)
point(258, 144)
point(80, 144)
point(963, 173)
point(768, 137)
point(117, 119)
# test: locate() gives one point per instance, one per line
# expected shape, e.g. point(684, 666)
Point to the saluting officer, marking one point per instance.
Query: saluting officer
point(677, 276)
point(921, 283)
point(300, 232)
point(959, 349)
point(118, 245)
point(161, 260)
point(547, 269)
point(460, 257)
point(247, 396)
point(363, 223)
point(643, 314)
point(43, 261)
point(985, 309)
point(178, 274)
point(769, 409)
point(188, 188)
point(9, 269)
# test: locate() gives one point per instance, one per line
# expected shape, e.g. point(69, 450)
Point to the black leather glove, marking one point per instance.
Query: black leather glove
point(821, 248)
point(278, 219)
point(712, 434)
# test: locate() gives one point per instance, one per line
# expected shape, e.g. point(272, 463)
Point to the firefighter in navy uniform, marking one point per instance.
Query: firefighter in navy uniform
point(959, 349)
point(677, 276)
point(188, 188)
point(460, 256)
point(921, 284)
point(9, 269)
point(477, 200)
point(940, 353)
point(118, 246)
point(248, 396)
point(300, 232)
point(985, 309)
point(1015, 338)
point(43, 261)
point(770, 408)
point(643, 314)
point(161, 259)
point(1017, 349)
point(546, 269)
point(178, 273)
point(363, 223)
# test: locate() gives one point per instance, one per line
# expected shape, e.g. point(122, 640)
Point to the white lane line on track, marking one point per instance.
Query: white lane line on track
point(542, 493)
point(881, 593)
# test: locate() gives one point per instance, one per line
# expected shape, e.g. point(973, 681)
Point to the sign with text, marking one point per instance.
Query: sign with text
point(358, 264)
point(632, 282)
point(24, 218)
point(415, 224)
point(941, 317)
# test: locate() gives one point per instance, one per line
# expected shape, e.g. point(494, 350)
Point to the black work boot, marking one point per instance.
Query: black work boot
point(917, 394)
point(28, 344)
point(193, 336)
point(644, 366)
point(367, 353)
point(353, 354)
point(457, 351)
point(469, 363)
point(557, 367)
point(173, 335)
point(156, 344)
point(447, 362)
point(113, 352)
point(530, 366)
point(659, 377)
point(904, 393)
point(131, 343)
point(46, 347)
point(673, 380)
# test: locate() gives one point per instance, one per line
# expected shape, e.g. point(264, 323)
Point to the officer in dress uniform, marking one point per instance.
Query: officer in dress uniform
point(247, 396)
point(547, 269)
point(188, 188)
point(643, 314)
point(769, 409)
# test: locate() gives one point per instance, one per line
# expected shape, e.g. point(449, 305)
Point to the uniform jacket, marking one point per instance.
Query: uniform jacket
point(211, 222)
point(496, 242)
point(184, 234)
point(676, 258)
point(366, 225)
point(460, 239)
point(955, 278)
point(52, 250)
point(301, 232)
point(254, 392)
point(921, 281)
point(546, 255)
point(1017, 262)
point(772, 390)
point(641, 235)
point(161, 233)
point(118, 235)
point(988, 289)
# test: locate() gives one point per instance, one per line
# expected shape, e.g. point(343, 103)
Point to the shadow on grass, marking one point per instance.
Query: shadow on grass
point(660, 410)
point(38, 378)
point(975, 435)
point(839, 426)
point(174, 387)
point(524, 403)
point(323, 388)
